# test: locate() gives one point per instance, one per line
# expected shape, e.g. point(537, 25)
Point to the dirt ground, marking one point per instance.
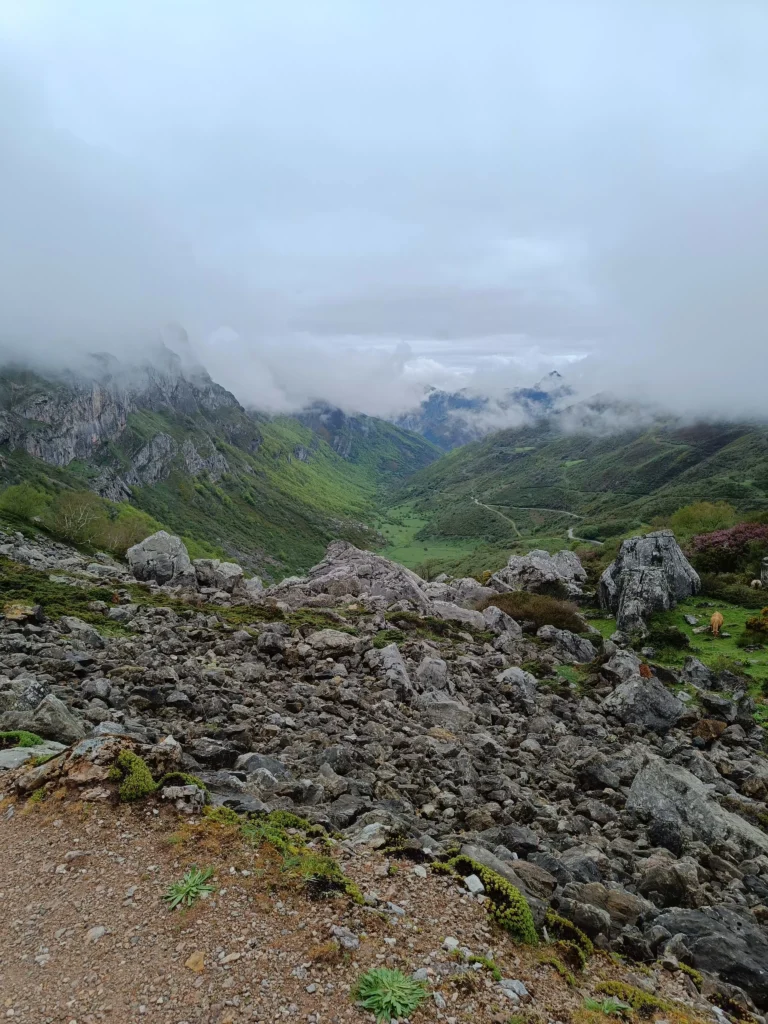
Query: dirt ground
point(86, 935)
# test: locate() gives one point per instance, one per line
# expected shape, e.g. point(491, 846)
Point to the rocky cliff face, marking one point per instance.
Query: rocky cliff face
point(74, 415)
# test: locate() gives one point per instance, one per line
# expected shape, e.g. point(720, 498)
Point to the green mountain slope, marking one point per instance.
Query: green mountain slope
point(539, 480)
point(270, 493)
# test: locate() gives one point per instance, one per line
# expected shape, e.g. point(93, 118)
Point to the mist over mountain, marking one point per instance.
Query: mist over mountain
point(524, 195)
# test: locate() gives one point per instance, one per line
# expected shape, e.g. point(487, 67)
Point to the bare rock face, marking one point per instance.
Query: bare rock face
point(162, 558)
point(541, 573)
point(650, 574)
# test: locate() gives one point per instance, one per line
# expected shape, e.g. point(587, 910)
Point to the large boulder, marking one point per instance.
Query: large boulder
point(650, 574)
point(561, 574)
point(349, 570)
point(644, 702)
point(725, 941)
point(662, 791)
point(51, 719)
point(162, 558)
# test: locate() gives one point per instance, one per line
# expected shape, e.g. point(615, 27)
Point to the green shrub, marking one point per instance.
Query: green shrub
point(665, 637)
point(643, 1003)
point(732, 588)
point(23, 502)
point(540, 609)
point(566, 931)
point(702, 517)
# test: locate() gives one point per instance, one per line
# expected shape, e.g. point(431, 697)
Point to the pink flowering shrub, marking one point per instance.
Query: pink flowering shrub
point(737, 549)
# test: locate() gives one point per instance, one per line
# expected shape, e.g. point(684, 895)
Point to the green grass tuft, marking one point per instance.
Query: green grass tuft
point(190, 888)
point(389, 994)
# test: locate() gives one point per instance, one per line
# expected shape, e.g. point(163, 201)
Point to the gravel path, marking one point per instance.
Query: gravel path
point(87, 937)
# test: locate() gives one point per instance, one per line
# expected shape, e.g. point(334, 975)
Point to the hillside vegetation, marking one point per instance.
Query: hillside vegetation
point(268, 492)
point(536, 486)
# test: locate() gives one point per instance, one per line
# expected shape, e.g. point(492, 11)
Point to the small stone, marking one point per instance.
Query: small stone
point(474, 885)
point(514, 990)
point(196, 962)
point(95, 933)
point(450, 943)
point(420, 871)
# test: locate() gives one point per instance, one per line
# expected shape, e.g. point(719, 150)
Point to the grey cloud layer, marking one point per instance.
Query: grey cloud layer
point(494, 184)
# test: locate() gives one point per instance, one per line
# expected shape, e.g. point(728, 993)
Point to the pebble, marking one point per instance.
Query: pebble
point(95, 933)
point(450, 943)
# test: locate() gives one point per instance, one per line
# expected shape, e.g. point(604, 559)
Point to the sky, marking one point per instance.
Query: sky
point(347, 201)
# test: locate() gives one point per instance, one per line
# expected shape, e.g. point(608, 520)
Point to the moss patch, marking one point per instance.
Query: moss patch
point(19, 738)
point(133, 775)
point(507, 905)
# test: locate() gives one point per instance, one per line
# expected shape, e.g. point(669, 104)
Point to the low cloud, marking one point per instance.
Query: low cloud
point(577, 185)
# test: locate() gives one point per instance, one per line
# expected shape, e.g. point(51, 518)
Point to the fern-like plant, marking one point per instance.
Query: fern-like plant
point(389, 994)
point(189, 889)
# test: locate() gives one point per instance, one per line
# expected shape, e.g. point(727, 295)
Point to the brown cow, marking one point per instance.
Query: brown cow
point(715, 623)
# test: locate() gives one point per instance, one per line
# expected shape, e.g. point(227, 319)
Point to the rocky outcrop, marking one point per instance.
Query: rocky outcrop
point(650, 574)
point(666, 792)
point(561, 574)
point(73, 414)
point(723, 941)
point(349, 571)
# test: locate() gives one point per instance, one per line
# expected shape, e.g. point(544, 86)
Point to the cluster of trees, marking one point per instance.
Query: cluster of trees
point(77, 517)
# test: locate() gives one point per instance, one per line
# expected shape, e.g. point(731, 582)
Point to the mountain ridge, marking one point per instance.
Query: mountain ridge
point(165, 437)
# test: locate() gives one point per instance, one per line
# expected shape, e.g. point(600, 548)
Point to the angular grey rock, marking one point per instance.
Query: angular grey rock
point(569, 648)
point(662, 790)
point(455, 613)
point(432, 674)
point(644, 702)
point(51, 719)
point(621, 666)
point(210, 572)
point(82, 632)
point(520, 685)
point(499, 622)
point(389, 662)
point(467, 592)
point(162, 558)
point(650, 574)
point(21, 694)
point(539, 572)
point(443, 711)
point(16, 756)
point(331, 641)
point(724, 941)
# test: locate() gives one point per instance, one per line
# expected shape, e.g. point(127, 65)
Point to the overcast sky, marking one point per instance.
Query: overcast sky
point(345, 199)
